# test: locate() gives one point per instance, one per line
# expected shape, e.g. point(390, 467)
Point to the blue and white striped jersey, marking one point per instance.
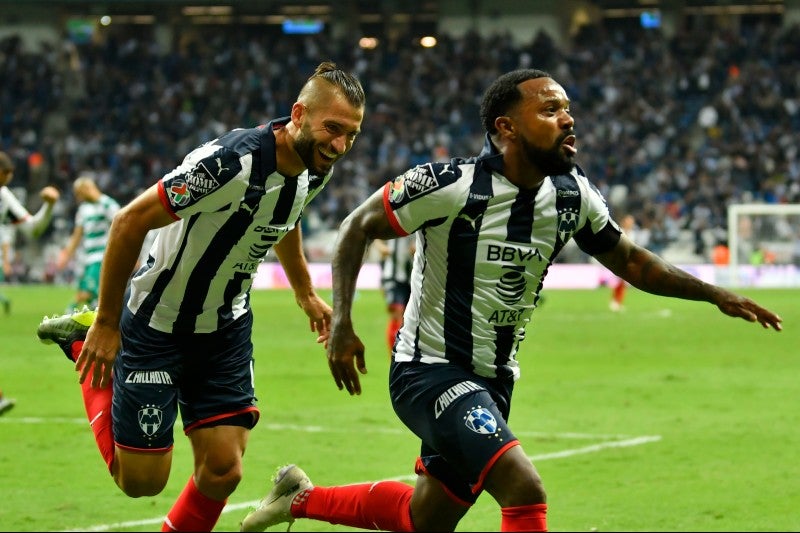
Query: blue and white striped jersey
point(231, 207)
point(483, 250)
point(396, 267)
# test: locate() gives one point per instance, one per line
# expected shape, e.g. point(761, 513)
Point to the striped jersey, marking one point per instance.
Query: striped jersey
point(231, 206)
point(483, 250)
point(396, 266)
point(95, 220)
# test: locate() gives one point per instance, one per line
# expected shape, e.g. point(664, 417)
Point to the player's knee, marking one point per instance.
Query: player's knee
point(137, 486)
point(219, 478)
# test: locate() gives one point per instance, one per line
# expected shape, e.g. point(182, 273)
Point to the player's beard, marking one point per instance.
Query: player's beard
point(551, 162)
point(305, 146)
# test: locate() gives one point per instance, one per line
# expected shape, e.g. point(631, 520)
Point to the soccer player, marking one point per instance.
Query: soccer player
point(397, 260)
point(179, 337)
point(93, 219)
point(488, 229)
point(13, 215)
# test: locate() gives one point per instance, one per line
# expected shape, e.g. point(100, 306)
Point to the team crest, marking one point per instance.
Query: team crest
point(150, 418)
point(178, 193)
point(567, 224)
point(481, 420)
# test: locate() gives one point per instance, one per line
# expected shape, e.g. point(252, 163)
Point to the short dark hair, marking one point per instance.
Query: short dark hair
point(346, 82)
point(503, 94)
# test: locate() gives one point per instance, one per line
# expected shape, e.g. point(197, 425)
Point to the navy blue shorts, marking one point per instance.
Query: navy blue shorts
point(396, 293)
point(208, 376)
point(460, 417)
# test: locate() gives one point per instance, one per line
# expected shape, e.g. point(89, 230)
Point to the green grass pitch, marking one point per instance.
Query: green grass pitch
point(669, 416)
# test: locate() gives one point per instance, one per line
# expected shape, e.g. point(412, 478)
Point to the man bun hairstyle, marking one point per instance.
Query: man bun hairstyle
point(503, 94)
point(344, 81)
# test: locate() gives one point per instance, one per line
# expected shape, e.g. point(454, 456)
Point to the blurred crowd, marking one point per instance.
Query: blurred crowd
point(672, 130)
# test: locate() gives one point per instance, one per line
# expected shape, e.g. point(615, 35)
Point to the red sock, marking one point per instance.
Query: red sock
point(98, 409)
point(193, 511)
point(524, 518)
point(619, 292)
point(384, 505)
point(391, 331)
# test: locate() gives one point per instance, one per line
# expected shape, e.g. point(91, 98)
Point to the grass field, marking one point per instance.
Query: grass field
point(668, 416)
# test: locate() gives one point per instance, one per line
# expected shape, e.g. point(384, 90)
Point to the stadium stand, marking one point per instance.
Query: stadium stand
point(672, 128)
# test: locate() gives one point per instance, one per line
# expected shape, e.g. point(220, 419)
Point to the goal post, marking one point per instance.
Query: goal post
point(764, 246)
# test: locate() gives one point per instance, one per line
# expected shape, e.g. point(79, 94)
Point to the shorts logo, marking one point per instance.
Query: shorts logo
point(158, 377)
point(481, 420)
point(452, 394)
point(178, 193)
point(150, 418)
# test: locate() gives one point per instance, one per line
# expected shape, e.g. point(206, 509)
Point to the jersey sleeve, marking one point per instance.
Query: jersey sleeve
point(210, 178)
point(422, 196)
point(600, 233)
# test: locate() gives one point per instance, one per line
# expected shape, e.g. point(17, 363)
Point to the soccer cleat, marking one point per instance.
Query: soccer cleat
point(6, 404)
point(66, 329)
point(275, 507)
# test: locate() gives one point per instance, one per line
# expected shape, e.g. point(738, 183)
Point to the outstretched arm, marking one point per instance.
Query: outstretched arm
point(345, 350)
point(125, 238)
point(646, 271)
point(289, 251)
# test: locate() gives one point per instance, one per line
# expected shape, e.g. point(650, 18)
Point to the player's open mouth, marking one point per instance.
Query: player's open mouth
point(327, 157)
point(569, 145)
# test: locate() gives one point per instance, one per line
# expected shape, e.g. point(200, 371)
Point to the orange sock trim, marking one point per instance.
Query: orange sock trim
point(524, 518)
point(193, 511)
point(384, 505)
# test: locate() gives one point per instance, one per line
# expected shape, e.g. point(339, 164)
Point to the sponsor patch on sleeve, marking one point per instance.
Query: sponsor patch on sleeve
point(178, 193)
point(419, 180)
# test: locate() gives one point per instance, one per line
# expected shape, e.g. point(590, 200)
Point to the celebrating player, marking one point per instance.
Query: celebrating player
point(488, 228)
point(180, 336)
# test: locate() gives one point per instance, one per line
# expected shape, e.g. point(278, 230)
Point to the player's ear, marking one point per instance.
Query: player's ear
point(505, 126)
point(299, 111)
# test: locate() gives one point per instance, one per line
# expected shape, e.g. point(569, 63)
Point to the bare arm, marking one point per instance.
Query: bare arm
point(69, 250)
point(126, 235)
point(345, 349)
point(289, 251)
point(646, 271)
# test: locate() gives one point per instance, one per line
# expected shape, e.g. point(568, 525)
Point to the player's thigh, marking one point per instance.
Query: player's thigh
point(432, 508)
point(513, 480)
point(141, 473)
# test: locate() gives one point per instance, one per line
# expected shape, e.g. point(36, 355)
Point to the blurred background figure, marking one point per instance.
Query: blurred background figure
point(618, 285)
point(89, 236)
point(13, 214)
point(396, 261)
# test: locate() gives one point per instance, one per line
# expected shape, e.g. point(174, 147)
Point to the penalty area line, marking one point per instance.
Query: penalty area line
point(593, 448)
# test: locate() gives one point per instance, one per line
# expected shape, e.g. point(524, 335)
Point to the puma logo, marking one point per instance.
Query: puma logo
point(470, 220)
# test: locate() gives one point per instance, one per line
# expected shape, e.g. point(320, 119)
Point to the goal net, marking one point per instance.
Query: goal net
point(764, 246)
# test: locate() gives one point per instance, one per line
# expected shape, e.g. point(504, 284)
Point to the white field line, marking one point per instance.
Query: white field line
point(322, 429)
point(635, 441)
